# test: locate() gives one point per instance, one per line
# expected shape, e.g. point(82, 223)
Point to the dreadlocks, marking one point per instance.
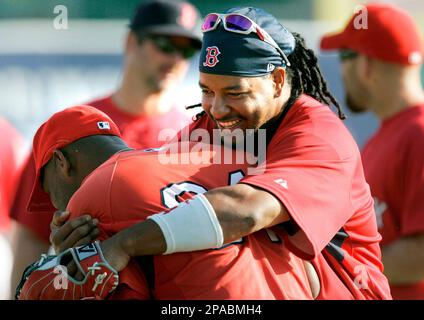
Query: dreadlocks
point(304, 76)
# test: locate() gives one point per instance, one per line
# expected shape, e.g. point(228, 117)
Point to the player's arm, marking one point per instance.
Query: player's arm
point(220, 216)
point(403, 260)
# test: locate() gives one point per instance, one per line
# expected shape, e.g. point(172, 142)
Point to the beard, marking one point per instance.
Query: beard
point(353, 106)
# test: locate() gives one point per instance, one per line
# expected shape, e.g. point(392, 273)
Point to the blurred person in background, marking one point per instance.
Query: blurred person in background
point(381, 66)
point(12, 155)
point(163, 36)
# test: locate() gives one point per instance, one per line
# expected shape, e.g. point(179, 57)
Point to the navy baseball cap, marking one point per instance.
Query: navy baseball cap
point(168, 18)
point(227, 53)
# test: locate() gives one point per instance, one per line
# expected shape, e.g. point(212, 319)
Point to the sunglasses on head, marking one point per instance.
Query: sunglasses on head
point(347, 54)
point(238, 23)
point(165, 44)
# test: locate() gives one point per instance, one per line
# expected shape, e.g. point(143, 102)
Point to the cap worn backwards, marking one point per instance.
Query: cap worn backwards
point(246, 55)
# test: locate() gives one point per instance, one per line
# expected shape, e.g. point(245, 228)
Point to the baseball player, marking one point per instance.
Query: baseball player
point(162, 36)
point(82, 146)
point(255, 74)
point(381, 67)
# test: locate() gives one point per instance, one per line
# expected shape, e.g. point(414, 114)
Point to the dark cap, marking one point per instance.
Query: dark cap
point(169, 18)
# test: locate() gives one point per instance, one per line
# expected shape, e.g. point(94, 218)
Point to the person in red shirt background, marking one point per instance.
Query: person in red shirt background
point(381, 66)
point(310, 187)
point(12, 157)
point(163, 36)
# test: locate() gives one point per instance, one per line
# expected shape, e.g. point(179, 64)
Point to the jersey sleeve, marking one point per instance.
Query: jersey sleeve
point(312, 179)
point(412, 185)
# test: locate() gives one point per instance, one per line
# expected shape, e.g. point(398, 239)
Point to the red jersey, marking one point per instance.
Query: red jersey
point(394, 167)
point(137, 131)
point(12, 155)
point(313, 166)
point(133, 185)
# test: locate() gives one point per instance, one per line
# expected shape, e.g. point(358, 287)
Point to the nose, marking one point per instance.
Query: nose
point(219, 109)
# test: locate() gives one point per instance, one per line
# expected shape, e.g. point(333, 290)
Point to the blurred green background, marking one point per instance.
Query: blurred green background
point(118, 9)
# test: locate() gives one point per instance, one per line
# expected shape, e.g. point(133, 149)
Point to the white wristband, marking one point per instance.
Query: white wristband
point(191, 226)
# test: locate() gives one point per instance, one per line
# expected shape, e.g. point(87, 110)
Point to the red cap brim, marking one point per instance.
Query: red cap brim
point(333, 42)
point(39, 200)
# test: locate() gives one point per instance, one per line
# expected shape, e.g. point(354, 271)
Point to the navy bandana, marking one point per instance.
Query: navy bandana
point(228, 53)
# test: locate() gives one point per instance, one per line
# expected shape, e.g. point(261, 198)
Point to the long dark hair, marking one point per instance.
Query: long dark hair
point(305, 77)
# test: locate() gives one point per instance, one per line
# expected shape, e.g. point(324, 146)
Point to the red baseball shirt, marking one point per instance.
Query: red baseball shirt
point(138, 131)
point(313, 166)
point(12, 155)
point(133, 185)
point(394, 167)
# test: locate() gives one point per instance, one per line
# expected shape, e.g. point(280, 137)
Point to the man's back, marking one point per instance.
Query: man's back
point(393, 164)
point(133, 185)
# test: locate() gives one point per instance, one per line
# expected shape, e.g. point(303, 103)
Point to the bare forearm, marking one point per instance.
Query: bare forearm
point(242, 210)
point(141, 239)
point(404, 260)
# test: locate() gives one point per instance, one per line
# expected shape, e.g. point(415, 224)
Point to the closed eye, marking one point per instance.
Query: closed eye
point(206, 92)
point(237, 94)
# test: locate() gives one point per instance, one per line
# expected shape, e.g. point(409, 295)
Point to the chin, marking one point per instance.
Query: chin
point(354, 107)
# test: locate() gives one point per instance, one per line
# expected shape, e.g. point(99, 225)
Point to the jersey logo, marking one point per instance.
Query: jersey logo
point(379, 207)
point(103, 125)
point(282, 183)
point(212, 54)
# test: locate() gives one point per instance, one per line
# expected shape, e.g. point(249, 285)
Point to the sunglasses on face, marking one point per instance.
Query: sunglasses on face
point(238, 23)
point(166, 45)
point(346, 54)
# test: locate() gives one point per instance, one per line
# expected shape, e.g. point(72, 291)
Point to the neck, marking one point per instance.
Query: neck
point(104, 152)
point(397, 94)
point(136, 98)
point(111, 149)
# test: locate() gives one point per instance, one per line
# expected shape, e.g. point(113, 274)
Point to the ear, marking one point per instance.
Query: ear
point(278, 77)
point(62, 164)
point(131, 41)
point(364, 68)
